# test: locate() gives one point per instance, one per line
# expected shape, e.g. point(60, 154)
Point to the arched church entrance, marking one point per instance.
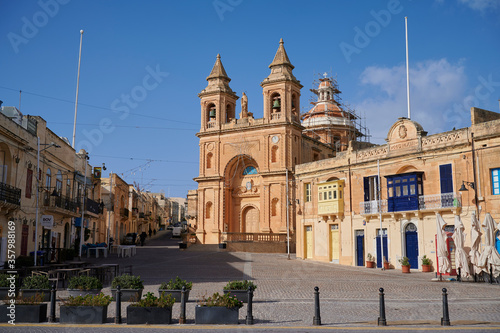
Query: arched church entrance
point(250, 219)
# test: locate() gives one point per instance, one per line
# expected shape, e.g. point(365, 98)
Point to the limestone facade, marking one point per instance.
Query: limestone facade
point(419, 176)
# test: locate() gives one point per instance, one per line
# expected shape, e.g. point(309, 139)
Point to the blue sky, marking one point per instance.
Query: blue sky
point(144, 62)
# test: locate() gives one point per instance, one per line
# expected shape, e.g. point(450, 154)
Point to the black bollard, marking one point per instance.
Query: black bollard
point(118, 300)
point(445, 321)
point(491, 273)
point(381, 320)
point(52, 313)
point(182, 317)
point(249, 319)
point(317, 317)
point(459, 275)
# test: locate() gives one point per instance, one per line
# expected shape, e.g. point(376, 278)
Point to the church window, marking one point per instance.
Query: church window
point(274, 154)
point(209, 160)
point(250, 170)
point(208, 210)
point(211, 112)
point(275, 103)
point(274, 207)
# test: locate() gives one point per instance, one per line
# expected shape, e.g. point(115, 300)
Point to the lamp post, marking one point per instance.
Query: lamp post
point(38, 144)
point(86, 157)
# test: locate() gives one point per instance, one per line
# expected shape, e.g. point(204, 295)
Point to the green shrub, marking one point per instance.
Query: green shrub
point(426, 261)
point(36, 282)
point(3, 280)
point(404, 261)
point(84, 282)
point(88, 300)
point(150, 300)
point(176, 284)
point(127, 281)
point(240, 285)
point(33, 300)
point(225, 300)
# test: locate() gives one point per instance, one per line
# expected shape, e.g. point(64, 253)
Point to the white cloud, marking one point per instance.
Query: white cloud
point(480, 5)
point(437, 94)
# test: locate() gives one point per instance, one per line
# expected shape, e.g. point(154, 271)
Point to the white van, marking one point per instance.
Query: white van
point(176, 231)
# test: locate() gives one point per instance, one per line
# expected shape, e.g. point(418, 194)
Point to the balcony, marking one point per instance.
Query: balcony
point(432, 202)
point(372, 207)
point(135, 211)
point(141, 215)
point(10, 196)
point(211, 124)
point(439, 201)
point(253, 237)
point(276, 116)
point(92, 207)
point(61, 204)
point(124, 213)
point(330, 199)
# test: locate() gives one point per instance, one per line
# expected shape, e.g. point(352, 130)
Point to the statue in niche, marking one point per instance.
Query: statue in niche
point(244, 106)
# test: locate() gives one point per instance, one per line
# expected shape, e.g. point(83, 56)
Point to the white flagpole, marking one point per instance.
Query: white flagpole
point(407, 69)
point(77, 87)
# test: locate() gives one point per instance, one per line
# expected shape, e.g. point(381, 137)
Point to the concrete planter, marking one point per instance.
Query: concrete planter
point(27, 293)
point(25, 313)
point(83, 314)
point(183, 246)
point(148, 315)
point(241, 295)
point(4, 292)
point(216, 315)
point(128, 295)
point(176, 294)
point(78, 292)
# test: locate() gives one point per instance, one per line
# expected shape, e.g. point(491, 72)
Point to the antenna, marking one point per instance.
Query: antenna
point(77, 87)
point(407, 68)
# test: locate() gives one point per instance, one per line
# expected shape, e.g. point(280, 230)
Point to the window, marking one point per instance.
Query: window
point(249, 171)
point(403, 191)
point(307, 192)
point(59, 179)
point(29, 183)
point(370, 188)
point(68, 188)
point(48, 179)
point(495, 181)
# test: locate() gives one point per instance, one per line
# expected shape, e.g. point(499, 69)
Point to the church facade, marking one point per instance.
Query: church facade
point(246, 183)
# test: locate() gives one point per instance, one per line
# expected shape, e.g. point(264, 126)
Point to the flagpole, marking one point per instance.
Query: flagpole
point(77, 87)
point(407, 69)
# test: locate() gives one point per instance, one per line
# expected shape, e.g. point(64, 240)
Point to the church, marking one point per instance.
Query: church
point(247, 189)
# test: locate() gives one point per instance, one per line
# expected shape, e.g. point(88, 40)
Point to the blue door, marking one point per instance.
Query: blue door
point(497, 242)
point(360, 248)
point(446, 182)
point(411, 240)
point(379, 252)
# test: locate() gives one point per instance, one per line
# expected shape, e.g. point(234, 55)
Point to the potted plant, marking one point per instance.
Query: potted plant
point(218, 309)
point(36, 285)
point(27, 310)
point(370, 261)
point(387, 265)
point(88, 309)
point(239, 289)
point(405, 264)
point(8, 287)
point(84, 285)
point(131, 287)
point(174, 287)
point(426, 264)
point(151, 310)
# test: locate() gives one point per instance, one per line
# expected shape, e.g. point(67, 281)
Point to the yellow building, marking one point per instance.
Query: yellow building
point(342, 217)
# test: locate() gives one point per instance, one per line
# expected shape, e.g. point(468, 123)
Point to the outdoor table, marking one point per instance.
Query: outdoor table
point(96, 249)
point(115, 266)
point(78, 264)
point(126, 250)
point(66, 274)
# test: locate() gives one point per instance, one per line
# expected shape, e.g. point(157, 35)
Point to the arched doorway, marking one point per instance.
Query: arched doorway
point(66, 236)
point(250, 219)
point(411, 244)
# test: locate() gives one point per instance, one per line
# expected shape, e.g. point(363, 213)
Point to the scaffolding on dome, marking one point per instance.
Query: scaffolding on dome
point(359, 132)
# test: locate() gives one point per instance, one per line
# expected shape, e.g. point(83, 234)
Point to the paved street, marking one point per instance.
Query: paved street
point(283, 301)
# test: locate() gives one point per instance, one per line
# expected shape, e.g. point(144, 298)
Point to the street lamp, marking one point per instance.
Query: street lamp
point(38, 144)
point(86, 157)
point(472, 185)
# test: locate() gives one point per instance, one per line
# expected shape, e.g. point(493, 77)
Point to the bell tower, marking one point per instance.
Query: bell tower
point(218, 100)
point(281, 90)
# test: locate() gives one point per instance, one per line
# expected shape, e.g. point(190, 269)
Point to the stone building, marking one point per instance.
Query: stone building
point(246, 179)
point(384, 200)
point(63, 186)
